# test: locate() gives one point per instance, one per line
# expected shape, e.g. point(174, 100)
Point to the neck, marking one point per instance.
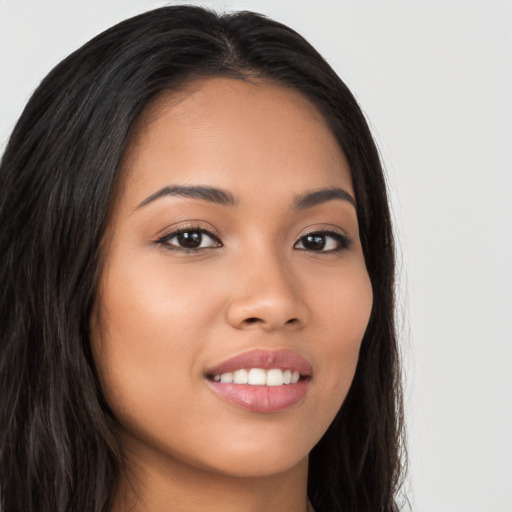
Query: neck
point(173, 486)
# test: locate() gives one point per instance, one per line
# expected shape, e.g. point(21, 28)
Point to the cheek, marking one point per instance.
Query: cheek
point(345, 314)
point(147, 304)
point(137, 317)
point(151, 324)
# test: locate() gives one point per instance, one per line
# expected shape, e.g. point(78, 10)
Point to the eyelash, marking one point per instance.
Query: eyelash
point(342, 241)
point(167, 237)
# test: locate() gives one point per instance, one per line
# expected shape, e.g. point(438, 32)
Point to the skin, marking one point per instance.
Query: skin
point(164, 315)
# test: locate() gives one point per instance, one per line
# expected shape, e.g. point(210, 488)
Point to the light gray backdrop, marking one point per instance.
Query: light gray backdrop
point(435, 79)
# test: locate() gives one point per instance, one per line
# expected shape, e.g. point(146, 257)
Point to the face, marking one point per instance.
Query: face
point(233, 268)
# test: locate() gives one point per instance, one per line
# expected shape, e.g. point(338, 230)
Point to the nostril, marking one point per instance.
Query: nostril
point(254, 320)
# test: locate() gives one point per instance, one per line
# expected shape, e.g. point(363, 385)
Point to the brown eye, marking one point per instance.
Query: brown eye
point(190, 240)
point(323, 241)
point(314, 242)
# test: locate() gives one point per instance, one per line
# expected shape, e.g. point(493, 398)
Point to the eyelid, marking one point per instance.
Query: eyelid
point(190, 225)
point(323, 228)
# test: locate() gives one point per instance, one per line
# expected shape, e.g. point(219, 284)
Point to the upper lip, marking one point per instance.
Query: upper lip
point(284, 359)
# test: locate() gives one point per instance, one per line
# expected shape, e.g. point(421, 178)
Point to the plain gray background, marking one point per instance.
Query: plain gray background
point(435, 79)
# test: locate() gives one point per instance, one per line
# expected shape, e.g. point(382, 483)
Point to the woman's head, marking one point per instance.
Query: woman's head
point(235, 230)
point(77, 158)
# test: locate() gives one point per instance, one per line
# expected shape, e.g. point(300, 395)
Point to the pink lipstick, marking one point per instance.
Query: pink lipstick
point(262, 380)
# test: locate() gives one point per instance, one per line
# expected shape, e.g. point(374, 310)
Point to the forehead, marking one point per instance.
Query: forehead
point(235, 134)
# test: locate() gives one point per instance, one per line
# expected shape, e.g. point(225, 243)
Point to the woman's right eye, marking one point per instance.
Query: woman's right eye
point(186, 239)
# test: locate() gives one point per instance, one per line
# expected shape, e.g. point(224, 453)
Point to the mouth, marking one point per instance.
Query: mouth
point(261, 380)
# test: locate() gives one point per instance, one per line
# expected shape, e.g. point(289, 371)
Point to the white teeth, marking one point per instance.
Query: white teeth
point(240, 377)
point(275, 377)
point(226, 377)
point(259, 377)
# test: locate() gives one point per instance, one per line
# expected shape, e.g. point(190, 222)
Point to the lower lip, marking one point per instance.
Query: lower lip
point(266, 399)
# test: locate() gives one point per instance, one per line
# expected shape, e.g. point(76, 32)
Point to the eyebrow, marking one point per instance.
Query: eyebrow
point(322, 196)
point(225, 198)
point(211, 194)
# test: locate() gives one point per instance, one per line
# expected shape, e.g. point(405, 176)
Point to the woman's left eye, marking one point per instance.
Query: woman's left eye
point(323, 241)
point(190, 240)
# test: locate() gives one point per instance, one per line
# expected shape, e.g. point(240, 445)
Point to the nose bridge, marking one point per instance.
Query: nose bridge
point(265, 292)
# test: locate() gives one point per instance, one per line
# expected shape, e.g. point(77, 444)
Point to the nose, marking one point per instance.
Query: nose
point(266, 295)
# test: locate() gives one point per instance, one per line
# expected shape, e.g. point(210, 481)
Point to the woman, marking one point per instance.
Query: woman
point(197, 269)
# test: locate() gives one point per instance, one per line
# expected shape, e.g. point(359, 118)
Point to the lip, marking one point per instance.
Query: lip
point(266, 359)
point(262, 399)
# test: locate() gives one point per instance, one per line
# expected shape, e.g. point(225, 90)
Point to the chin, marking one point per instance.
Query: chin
point(259, 453)
point(258, 466)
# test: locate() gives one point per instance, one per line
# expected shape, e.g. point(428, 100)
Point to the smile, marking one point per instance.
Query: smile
point(261, 380)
